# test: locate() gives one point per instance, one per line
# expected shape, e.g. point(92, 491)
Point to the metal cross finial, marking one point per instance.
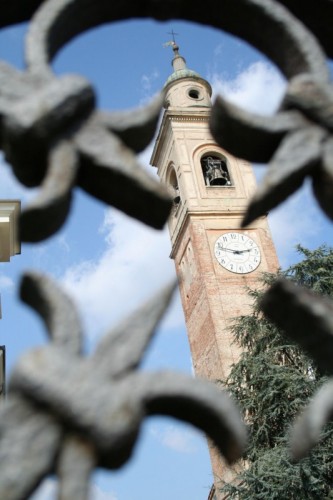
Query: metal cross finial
point(172, 33)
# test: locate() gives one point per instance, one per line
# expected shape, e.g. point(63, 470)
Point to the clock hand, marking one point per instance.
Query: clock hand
point(238, 252)
point(228, 250)
point(235, 251)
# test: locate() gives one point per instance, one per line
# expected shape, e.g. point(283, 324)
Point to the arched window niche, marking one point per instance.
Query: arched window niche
point(215, 170)
point(173, 186)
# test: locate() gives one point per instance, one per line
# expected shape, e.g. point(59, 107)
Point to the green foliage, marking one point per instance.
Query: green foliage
point(272, 382)
point(315, 271)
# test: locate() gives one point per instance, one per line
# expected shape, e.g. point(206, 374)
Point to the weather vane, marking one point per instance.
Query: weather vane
point(173, 41)
point(173, 35)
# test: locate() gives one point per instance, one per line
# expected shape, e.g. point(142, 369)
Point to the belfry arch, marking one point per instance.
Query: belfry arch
point(215, 170)
point(172, 182)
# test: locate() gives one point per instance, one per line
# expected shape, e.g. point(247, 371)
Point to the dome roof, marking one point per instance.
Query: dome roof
point(180, 70)
point(182, 73)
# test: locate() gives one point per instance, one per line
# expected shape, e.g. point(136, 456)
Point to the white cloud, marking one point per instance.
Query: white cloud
point(135, 259)
point(49, 488)
point(133, 265)
point(63, 243)
point(259, 88)
point(148, 86)
point(6, 283)
point(219, 50)
point(98, 494)
point(46, 491)
point(180, 439)
point(148, 80)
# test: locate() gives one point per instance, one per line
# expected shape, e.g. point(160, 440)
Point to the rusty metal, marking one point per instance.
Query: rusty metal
point(54, 137)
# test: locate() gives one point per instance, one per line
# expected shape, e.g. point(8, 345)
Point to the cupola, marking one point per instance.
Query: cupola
point(185, 88)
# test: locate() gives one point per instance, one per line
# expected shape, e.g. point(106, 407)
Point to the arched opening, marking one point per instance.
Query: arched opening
point(215, 171)
point(173, 183)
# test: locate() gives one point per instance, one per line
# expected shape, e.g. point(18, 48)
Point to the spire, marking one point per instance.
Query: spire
point(180, 70)
point(182, 75)
point(178, 62)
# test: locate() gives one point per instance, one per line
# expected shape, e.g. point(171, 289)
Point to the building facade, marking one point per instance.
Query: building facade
point(215, 260)
point(9, 246)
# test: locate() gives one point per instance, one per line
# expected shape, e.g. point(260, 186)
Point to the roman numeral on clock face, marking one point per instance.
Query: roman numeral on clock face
point(237, 253)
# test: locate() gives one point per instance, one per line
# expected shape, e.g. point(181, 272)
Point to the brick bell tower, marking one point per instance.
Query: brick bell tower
point(215, 260)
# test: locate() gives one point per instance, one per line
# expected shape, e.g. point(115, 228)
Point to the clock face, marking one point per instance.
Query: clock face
point(237, 253)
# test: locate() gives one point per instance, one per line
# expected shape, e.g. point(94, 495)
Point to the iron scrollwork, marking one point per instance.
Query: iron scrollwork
point(54, 138)
point(68, 414)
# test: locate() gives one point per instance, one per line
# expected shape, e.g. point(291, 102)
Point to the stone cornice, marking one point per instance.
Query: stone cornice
point(176, 115)
point(206, 214)
point(187, 118)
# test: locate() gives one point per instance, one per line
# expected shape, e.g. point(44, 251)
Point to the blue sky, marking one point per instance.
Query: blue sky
point(110, 263)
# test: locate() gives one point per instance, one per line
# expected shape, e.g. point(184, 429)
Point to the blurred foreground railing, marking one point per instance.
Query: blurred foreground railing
point(67, 414)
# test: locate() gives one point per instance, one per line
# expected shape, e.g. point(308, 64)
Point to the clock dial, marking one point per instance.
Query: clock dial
point(237, 253)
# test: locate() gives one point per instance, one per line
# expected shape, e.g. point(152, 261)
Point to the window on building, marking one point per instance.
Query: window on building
point(215, 171)
point(174, 188)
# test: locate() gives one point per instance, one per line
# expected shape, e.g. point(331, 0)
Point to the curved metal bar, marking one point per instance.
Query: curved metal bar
point(104, 174)
point(307, 430)
point(108, 413)
point(317, 15)
point(49, 210)
point(58, 21)
point(198, 403)
point(128, 341)
point(32, 123)
point(76, 464)
point(297, 157)
point(323, 180)
point(136, 127)
point(251, 136)
point(305, 317)
point(122, 405)
point(55, 308)
point(16, 11)
point(29, 443)
point(72, 387)
point(311, 97)
point(111, 172)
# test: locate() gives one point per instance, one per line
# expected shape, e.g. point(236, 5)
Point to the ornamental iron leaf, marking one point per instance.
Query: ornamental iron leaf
point(53, 138)
point(30, 136)
point(68, 414)
point(296, 140)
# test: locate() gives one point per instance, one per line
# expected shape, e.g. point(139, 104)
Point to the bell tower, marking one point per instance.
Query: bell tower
point(215, 260)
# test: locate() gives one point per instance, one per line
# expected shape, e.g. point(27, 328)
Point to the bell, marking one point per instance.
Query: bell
point(219, 179)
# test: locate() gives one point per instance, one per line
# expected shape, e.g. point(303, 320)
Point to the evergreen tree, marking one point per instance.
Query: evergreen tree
point(272, 382)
